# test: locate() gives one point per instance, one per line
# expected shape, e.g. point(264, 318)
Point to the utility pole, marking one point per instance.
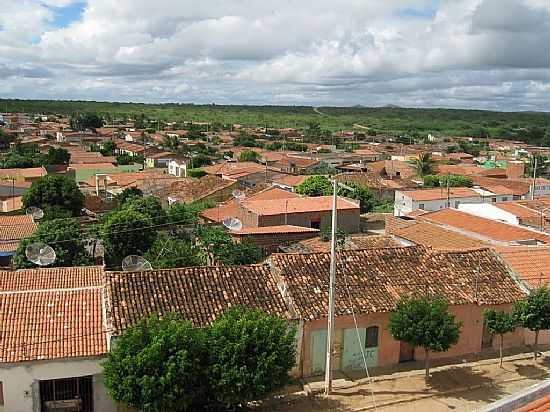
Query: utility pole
point(534, 178)
point(331, 292)
point(448, 190)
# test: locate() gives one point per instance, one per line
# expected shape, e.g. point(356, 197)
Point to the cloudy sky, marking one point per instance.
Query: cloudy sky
point(490, 54)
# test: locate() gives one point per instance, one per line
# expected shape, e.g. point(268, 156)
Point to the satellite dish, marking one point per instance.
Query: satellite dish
point(40, 254)
point(233, 223)
point(134, 263)
point(35, 212)
point(237, 194)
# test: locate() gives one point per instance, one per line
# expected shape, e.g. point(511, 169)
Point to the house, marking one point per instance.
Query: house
point(177, 167)
point(370, 283)
point(439, 198)
point(160, 159)
point(270, 238)
point(313, 212)
point(288, 182)
point(131, 149)
point(112, 184)
point(12, 230)
point(54, 337)
point(189, 190)
point(295, 164)
point(29, 174)
point(492, 231)
point(352, 242)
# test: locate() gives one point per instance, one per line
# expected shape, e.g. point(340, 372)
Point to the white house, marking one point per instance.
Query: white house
point(440, 198)
point(53, 340)
point(177, 167)
point(489, 211)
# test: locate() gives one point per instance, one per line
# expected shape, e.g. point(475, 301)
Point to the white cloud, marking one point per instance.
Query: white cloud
point(471, 53)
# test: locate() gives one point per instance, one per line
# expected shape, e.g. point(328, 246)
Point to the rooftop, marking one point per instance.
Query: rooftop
point(297, 205)
point(531, 263)
point(199, 294)
point(377, 278)
point(421, 195)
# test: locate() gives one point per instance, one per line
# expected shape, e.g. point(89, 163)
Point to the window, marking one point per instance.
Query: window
point(372, 337)
point(504, 199)
point(456, 204)
point(494, 199)
point(315, 224)
point(421, 206)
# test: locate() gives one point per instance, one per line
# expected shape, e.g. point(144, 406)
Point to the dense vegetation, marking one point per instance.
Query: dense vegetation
point(529, 126)
point(170, 365)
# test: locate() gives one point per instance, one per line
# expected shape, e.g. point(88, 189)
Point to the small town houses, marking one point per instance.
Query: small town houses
point(58, 323)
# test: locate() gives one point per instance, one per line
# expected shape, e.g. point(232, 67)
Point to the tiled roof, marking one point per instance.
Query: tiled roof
point(29, 172)
point(9, 246)
point(231, 167)
point(85, 166)
point(17, 231)
point(51, 278)
point(489, 229)
point(540, 405)
point(290, 180)
point(50, 314)
point(358, 241)
point(190, 189)
point(531, 263)
point(439, 193)
point(16, 220)
point(199, 294)
point(437, 237)
point(377, 278)
point(518, 188)
point(517, 209)
point(274, 230)
point(296, 205)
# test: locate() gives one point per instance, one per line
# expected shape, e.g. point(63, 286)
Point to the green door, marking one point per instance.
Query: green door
point(318, 351)
point(352, 358)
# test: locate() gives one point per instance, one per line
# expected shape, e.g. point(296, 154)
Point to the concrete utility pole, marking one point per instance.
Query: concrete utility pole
point(331, 292)
point(534, 178)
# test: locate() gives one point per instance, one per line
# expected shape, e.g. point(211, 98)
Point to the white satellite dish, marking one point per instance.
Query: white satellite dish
point(238, 194)
point(232, 223)
point(35, 212)
point(40, 254)
point(134, 263)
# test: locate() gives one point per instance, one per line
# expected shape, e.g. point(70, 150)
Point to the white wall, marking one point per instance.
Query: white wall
point(20, 383)
point(489, 211)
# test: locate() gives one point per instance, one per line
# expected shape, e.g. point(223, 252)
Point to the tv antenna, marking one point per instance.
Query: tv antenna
point(233, 224)
point(35, 212)
point(40, 254)
point(238, 194)
point(134, 263)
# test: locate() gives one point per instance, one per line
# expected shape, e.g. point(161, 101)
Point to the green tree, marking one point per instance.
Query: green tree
point(170, 143)
point(499, 323)
point(160, 365)
point(126, 232)
point(167, 252)
point(217, 241)
point(64, 236)
point(249, 156)
point(424, 165)
point(245, 253)
point(252, 355)
point(533, 313)
point(367, 199)
point(315, 186)
point(451, 180)
point(425, 322)
point(182, 214)
point(245, 139)
point(53, 191)
point(84, 121)
point(128, 194)
point(197, 173)
point(150, 206)
point(57, 156)
point(109, 148)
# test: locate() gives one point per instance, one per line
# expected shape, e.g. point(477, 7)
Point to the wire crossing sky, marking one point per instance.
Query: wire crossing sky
point(488, 54)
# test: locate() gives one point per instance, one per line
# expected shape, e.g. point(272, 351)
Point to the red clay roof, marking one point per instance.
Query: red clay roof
point(290, 180)
point(440, 193)
point(296, 205)
point(540, 405)
point(531, 263)
point(380, 277)
point(60, 315)
point(29, 172)
point(274, 230)
point(489, 229)
point(198, 294)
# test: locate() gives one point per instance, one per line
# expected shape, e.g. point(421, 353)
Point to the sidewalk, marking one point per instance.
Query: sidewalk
point(463, 387)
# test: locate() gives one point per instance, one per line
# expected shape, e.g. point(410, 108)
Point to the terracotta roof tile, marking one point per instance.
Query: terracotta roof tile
point(540, 405)
point(17, 231)
point(377, 278)
point(51, 278)
point(190, 189)
point(489, 229)
point(199, 294)
point(296, 205)
point(439, 193)
point(358, 241)
point(274, 230)
point(51, 313)
point(437, 237)
point(531, 263)
point(16, 220)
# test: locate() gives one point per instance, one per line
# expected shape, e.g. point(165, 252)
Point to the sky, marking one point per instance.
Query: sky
point(482, 54)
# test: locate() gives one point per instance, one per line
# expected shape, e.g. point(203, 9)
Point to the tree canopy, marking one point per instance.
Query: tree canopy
point(249, 156)
point(64, 236)
point(425, 322)
point(52, 193)
point(533, 313)
point(315, 186)
point(424, 165)
point(168, 364)
point(499, 323)
point(447, 180)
